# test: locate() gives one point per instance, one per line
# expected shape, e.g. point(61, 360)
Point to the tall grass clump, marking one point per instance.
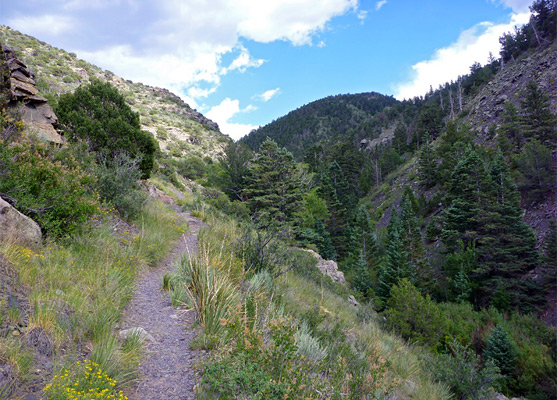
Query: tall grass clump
point(209, 289)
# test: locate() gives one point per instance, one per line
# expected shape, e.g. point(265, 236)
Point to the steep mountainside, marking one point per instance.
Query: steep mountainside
point(179, 129)
point(326, 120)
point(487, 107)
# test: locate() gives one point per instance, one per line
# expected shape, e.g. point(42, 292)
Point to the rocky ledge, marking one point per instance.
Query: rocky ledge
point(22, 93)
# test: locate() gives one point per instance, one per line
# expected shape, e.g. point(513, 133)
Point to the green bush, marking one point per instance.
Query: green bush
point(99, 114)
point(461, 371)
point(414, 316)
point(49, 185)
point(117, 183)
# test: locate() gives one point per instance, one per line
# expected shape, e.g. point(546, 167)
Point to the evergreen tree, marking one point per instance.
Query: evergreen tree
point(510, 127)
point(99, 115)
point(427, 166)
point(537, 174)
point(550, 256)
point(325, 245)
point(485, 210)
point(235, 170)
point(397, 265)
point(400, 141)
point(468, 188)
point(537, 120)
point(501, 350)
point(273, 187)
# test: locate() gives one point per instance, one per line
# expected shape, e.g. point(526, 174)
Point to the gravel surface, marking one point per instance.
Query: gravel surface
point(167, 370)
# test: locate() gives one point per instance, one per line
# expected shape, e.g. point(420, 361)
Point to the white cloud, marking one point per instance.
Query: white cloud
point(195, 92)
point(47, 24)
point(518, 6)
point(362, 15)
point(184, 43)
point(225, 111)
point(87, 4)
point(291, 20)
point(446, 64)
point(267, 95)
point(380, 4)
point(244, 61)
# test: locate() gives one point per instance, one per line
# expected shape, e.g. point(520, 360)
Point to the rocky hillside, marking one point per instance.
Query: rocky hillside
point(179, 129)
point(486, 108)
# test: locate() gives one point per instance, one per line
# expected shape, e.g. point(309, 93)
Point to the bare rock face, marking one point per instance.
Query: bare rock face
point(18, 228)
point(328, 267)
point(35, 112)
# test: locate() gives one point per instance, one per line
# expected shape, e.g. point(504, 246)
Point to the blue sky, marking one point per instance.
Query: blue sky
point(244, 63)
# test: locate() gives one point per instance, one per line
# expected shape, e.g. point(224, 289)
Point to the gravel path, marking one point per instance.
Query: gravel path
point(166, 371)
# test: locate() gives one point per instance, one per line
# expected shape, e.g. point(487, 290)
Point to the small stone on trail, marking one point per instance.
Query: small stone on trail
point(139, 331)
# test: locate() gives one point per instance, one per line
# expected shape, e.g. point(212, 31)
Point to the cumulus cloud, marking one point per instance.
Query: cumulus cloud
point(50, 24)
point(244, 61)
point(181, 44)
point(380, 4)
point(446, 64)
point(224, 112)
point(518, 6)
point(267, 95)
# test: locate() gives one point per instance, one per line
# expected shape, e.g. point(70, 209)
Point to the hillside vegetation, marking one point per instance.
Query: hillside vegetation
point(421, 203)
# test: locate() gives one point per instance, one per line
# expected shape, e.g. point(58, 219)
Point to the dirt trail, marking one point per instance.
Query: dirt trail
point(166, 371)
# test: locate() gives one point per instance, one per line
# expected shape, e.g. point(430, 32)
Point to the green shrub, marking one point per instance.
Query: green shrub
point(414, 316)
point(98, 114)
point(117, 183)
point(461, 371)
point(58, 195)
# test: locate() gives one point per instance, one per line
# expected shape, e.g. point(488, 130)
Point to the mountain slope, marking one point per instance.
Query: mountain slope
point(179, 129)
point(325, 120)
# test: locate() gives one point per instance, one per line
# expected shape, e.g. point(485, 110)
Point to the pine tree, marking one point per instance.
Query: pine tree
point(537, 120)
point(273, 189)
point(235, 170)
point(468, 188)
point(325, 245)
point(550, 257)
point(397, 265)
point(485, 210)
point(537, 175)
point(501, 350)
point(427, 166)
point(510, 126)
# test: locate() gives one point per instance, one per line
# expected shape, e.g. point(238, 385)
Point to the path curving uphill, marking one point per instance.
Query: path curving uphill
point(167, 370)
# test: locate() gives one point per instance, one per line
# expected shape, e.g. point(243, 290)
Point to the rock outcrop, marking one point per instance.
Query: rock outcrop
point(18, 228)
point(22, 95)
point(328, 267)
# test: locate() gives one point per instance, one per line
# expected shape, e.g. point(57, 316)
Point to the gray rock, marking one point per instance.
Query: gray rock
point(353, 301)
point(142, 334)
point(328, 267)
point(18, 228)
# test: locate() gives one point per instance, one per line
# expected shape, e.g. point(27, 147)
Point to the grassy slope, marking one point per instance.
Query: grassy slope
point(257, 301)
point(76, 290)
point(179, 129)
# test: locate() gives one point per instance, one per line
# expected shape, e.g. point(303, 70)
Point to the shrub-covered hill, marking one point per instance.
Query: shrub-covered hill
point(179, 129)
point(326, 120)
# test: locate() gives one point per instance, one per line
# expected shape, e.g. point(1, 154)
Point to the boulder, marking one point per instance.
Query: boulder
point(328, 267)
point(17, 228)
